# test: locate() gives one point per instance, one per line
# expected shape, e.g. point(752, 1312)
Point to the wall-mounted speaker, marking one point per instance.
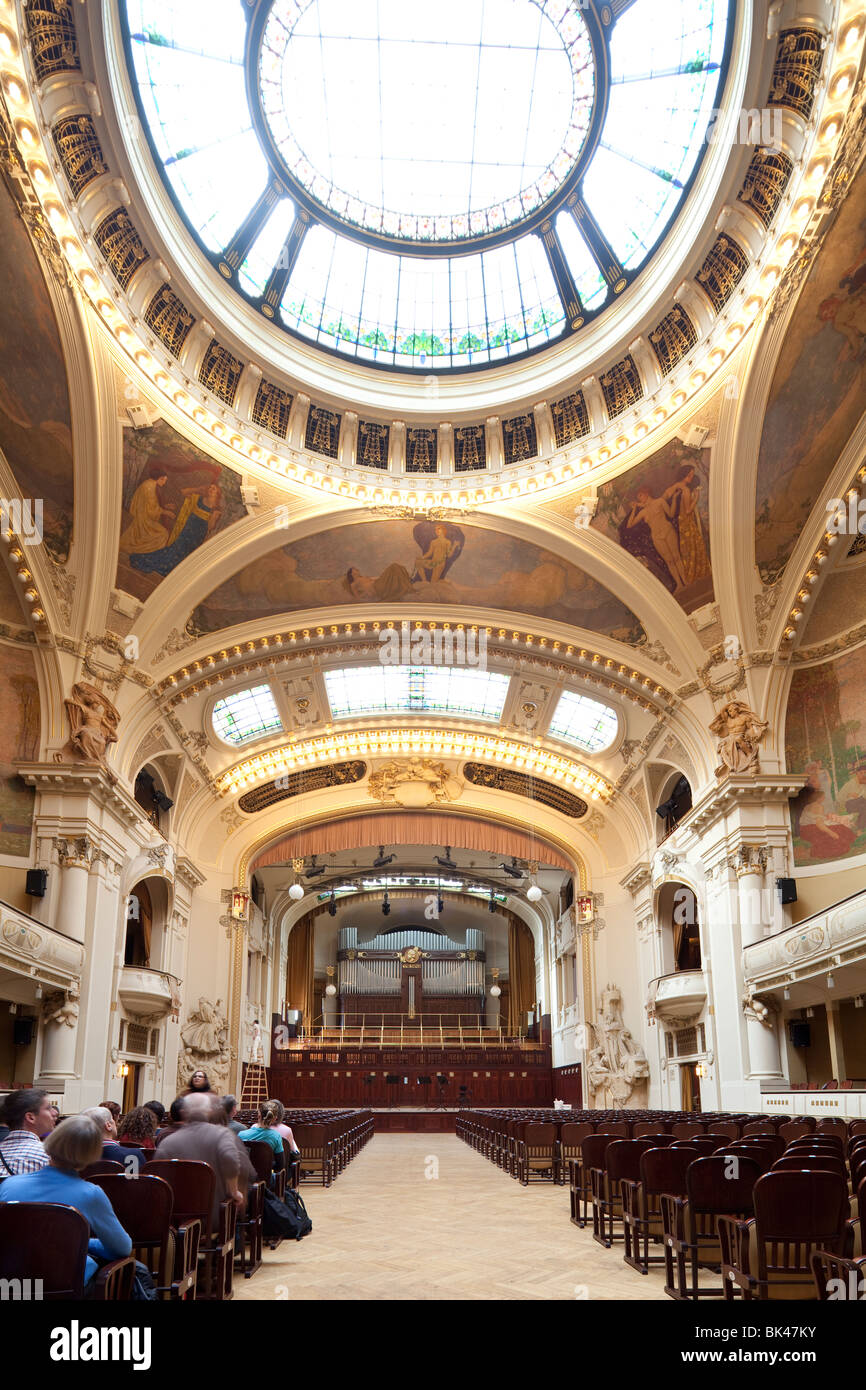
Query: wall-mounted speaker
point(22, 1031)
point(787, 888)
point(800, 1033)
point(37, 882)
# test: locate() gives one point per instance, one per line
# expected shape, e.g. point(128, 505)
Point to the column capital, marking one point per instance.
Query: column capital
point(76, 852)
point(749, 859)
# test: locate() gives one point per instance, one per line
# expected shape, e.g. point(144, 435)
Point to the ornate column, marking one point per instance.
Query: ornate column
point(749, 864)
point(75, 857)
point(60, 1018)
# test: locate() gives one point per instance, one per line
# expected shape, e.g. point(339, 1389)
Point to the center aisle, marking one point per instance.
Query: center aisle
point(422, 1216)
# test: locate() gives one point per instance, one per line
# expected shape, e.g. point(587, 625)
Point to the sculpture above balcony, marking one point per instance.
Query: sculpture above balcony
point(739, 732)
point(93, 722)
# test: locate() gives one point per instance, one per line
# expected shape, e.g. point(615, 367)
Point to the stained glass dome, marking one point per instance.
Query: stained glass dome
point(428, 187)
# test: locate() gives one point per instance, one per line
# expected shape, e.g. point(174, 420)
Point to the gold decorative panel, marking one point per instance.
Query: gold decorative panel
point(470, 449)
point(621, 386)
point(421, 450)
point(323, 432)
point(674, 337)
point(52, 36)
point(271, 409)
point(373, 444)
point(570, 419)
point(797, 70)
point(765, 182)
point(520, 438)
point(121, 246)
point(722, 271)
point(220, 372)
point(311, 779)
point(169, 318)
point(79, 151)
point(502, 779)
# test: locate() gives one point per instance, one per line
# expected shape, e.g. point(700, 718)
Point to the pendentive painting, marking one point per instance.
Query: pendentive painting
point(825, 738)
point(659, 513)
point(395, 561)
point(819, 388)
point(174, 499)
point(35, 419)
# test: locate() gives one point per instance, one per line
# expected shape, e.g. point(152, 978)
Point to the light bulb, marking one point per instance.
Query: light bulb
point(534, 894)
point(296, 892)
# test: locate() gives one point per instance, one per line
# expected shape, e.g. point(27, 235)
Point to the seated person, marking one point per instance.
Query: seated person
point(266, 1132)
point(74, 1144)
point(284, 1129)
point(131, 1158)
point(115, 1109)
point(158, 1109)
point(137, 1130)
point(230, 1106)
point(202, 1137)
point(175, 1120)
point(29, 1117)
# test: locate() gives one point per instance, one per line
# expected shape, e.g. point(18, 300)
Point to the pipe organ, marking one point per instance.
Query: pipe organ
point(409, 964)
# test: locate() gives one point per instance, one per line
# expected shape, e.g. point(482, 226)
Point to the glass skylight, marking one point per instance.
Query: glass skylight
point(362, 690)
point(587, 723)
point(247, 715)
point(397, 126)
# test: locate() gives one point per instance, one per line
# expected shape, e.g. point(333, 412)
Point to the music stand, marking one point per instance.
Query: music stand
point(392, 1081)
point(442, 1082)
point(424, 1081)
point(463, 1098)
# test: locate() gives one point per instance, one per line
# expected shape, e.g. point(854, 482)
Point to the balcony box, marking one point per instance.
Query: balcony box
point(677, 997)
point(144, 991)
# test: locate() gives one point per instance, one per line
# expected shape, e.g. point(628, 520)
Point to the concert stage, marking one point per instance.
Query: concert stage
point(401, 1120)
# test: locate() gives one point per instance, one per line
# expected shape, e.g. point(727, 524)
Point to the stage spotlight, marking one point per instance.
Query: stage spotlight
point(491, 906)
point(386, 904)
point(440, 904)
point(332, 906)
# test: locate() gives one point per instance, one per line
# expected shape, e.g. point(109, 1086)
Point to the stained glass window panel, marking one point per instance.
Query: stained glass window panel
point(587, 723)
point(409, 689)
point(246, 715)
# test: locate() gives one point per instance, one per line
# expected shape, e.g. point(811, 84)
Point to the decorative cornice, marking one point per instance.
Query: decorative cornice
point(638, 878)
point(733, 790)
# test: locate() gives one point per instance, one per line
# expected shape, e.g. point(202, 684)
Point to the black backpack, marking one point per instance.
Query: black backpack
point(285, 1220)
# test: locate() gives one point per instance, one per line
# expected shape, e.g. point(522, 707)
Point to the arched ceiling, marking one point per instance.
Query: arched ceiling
point(628, 565)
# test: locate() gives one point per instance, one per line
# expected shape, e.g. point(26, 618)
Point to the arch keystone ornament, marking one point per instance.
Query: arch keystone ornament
point(414, 782)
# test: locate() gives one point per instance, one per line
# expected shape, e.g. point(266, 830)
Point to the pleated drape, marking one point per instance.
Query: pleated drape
point(521, 974)
point(299, 969)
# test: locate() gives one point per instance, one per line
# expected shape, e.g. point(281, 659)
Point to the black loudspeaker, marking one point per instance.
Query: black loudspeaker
point(800, 1034)
point(37, 882)
point(22, 1032)
point(787, 889)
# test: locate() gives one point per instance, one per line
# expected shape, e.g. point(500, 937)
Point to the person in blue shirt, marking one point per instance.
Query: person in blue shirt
point(267, 1133)
point(74, 1144)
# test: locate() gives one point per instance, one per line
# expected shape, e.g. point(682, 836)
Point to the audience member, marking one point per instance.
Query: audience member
point(198, 1082)
point(175, 1120)
point(117, 1153)
point(138, 1129)
point(230, 1106)
point(113, 1106)
point(266, 1131)
point(158, 1109)
point(28, 1115)
point(201, 1137)
point(73, 1145)
point(55, 1112)
point(283, 1129)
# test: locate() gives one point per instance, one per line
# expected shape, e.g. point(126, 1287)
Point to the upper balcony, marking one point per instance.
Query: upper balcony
point(674, 998)
point(819, 944)
point(145, 991)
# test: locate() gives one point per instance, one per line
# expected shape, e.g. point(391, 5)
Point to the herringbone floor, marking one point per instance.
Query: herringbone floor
point(422, 1216)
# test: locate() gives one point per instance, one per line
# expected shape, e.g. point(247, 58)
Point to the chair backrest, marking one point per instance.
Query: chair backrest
point(261, 1157)
point(708, 1143)
point(796, 1213)
point(102, 1165)
point(833, 1126)
point(194, 1186)
point(687, 1129)
point(593, 1149)
point(46, 1244)
point(623, 1156)
point(715, 1185)
point(142, 1205)
point(730, 1128)
point(805, 1162)
point(767, 1143)
point(796, 1129)
point(758, 1127)
point(857, 1127)
point(572, 1135)
point(541, 1136)
point(647, 1129)
point(664, 1170)
point(620, 1128)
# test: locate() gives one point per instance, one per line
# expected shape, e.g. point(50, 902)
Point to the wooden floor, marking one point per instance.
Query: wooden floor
point(422, 1216)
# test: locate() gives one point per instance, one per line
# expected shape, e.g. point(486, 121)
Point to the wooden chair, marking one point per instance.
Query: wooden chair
point(661, 1171)
point(316, 1157)
point(44, 1246)
point(102, 1165)
point(688, 1129)
point(194, 1185)
point(731, 1129)
point(796, 1129)
point(571, 1136)
point(796, 1214)
point(621, 1163)
point(538, 1154)
point(592, 1152)
point(714, 1188)
point(805, 1162)
point(702, 1144)
point(143, 1205)
point(250, 1227)
point(839, 1280)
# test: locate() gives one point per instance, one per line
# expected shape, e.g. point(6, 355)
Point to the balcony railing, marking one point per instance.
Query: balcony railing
point(831, 938)
point(678, 996)
point(142, 990)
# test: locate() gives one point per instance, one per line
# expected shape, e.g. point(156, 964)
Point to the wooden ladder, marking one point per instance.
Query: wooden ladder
point(255, 1088)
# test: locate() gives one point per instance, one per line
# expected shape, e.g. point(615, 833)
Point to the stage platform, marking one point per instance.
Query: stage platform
point(403, 1120)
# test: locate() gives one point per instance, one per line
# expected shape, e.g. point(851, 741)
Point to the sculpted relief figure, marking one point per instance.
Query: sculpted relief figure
point(739, 732)
point(414, 782)
point(204, 1044)
point(617, 1064)
point(93, 722)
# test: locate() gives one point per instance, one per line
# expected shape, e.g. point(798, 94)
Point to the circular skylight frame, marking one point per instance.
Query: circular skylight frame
point(529, 220)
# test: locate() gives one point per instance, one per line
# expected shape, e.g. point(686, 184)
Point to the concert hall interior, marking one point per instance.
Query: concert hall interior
point(433, 633)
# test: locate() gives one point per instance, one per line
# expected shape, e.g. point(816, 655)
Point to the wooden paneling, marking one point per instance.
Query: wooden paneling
point(567, 1084)
point(341, 1078)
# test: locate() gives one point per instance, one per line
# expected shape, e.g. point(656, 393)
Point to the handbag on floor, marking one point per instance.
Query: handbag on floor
point(285, 1220)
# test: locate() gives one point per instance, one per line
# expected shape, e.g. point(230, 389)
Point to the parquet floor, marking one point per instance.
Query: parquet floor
point(422, 1216)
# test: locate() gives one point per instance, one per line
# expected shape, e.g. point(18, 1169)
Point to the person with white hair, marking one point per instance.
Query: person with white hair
point(117, 1153)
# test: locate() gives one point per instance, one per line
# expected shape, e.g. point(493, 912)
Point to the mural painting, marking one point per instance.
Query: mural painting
point(825, 738)
point(658, 512)
point(174, 499)
point(35, 420)
point(420, 561)
point(818, 390)
point(19, 739)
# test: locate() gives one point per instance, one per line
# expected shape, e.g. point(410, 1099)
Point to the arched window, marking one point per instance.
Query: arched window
point(678, 918)
point(139, 927)
point(676, 803)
